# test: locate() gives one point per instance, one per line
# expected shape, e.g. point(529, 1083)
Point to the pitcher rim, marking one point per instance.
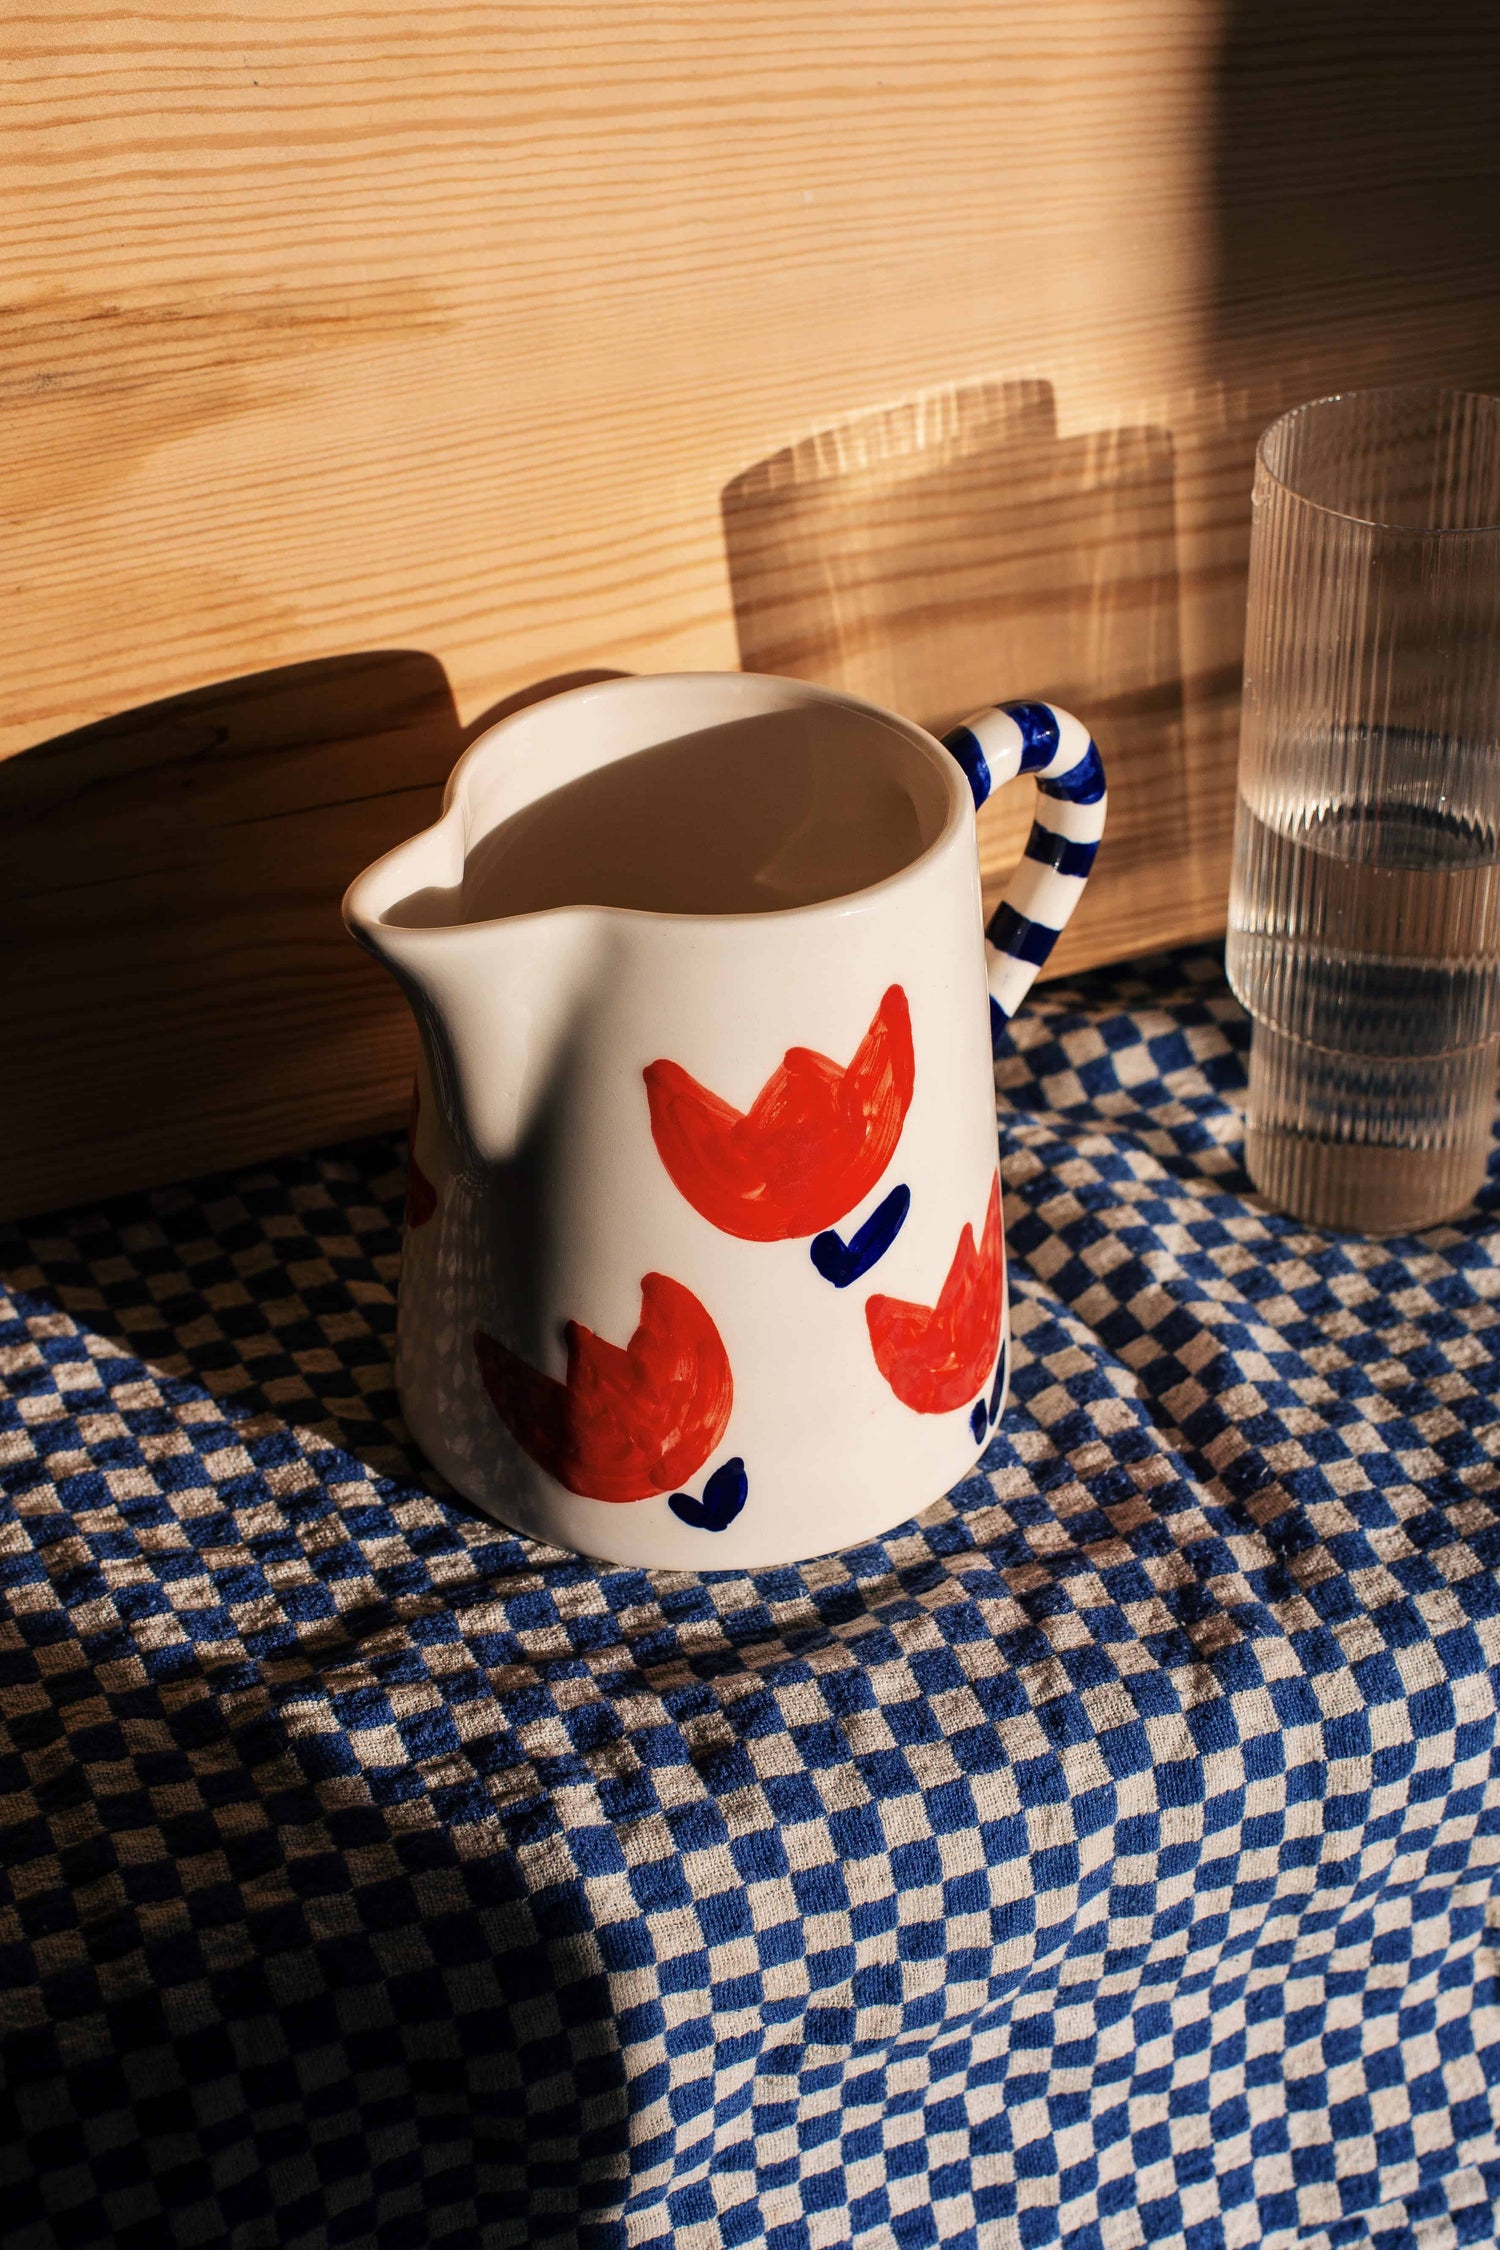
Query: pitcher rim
point(960, 812)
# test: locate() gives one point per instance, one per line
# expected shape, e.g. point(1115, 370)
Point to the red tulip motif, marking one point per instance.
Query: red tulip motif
point(421, 1195)
point(628, 1421)
point(812, 1144)
point(936, 1357)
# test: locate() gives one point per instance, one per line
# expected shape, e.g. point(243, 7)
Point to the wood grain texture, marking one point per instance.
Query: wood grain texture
point(532, 340)
point(957, 551)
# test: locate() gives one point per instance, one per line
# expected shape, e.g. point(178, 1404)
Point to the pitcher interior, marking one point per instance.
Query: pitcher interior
point(778, 809)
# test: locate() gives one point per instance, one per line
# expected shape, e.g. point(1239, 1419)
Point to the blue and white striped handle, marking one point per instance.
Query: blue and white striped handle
point(993, 747)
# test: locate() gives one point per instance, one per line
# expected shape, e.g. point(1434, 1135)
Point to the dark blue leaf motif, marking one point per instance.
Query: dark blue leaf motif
point(842, 1262)
point(998, 1393)
point(978, 1421)
point(723, 1498)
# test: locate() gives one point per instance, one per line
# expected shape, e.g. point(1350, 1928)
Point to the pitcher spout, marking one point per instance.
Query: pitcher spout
point(497, 1001)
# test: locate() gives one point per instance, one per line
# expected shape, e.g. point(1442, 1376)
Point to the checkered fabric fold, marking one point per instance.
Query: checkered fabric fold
point(1108, 1856)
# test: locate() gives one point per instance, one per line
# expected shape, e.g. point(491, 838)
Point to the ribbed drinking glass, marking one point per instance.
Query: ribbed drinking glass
point(1364, 914)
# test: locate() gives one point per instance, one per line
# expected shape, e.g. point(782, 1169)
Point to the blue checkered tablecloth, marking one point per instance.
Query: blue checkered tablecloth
point(1106, 1857)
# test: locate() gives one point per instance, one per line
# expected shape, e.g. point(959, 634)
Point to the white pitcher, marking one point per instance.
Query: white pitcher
point(704, 1261)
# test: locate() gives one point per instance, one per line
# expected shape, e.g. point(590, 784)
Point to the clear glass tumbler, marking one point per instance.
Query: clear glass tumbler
point(1364, 913)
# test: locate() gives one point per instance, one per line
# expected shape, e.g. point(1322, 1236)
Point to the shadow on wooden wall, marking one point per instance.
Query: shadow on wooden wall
point(1356, 196)
point(954, 550)
point(180, 992)
point(1352, 237)
point(955, 546)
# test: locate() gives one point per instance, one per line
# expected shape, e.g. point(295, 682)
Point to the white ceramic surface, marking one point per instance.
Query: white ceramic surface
point(761, 1393)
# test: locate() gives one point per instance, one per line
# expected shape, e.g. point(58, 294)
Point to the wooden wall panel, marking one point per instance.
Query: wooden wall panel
point(958, 550)
point(489, 335)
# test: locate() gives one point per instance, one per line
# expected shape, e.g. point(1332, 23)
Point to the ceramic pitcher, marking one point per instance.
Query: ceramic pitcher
point(704, 1261)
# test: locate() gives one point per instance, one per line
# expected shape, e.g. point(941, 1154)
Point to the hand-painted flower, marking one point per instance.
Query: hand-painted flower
point(627, 1422)
point(935, 1357)
point(810, 1147)
point(421, 1195)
